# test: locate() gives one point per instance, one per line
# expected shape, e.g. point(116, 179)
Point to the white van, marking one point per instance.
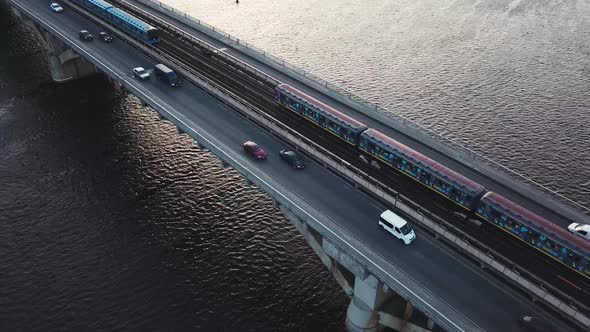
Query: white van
point(397, 226)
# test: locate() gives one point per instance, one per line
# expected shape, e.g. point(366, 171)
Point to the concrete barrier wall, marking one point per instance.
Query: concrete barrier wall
point(434, 307)
point(360, 178)
point(317, 220)
point(446, 146)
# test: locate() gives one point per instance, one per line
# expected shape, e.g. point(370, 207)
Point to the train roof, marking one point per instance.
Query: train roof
point(425, 161)
point(330, 110)
point(101, 4)
point(130, 19)
point(538, 221)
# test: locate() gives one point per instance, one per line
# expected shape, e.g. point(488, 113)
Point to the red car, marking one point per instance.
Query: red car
point(254, 150)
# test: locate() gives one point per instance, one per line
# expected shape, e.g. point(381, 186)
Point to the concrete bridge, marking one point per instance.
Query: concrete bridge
point(424, 287)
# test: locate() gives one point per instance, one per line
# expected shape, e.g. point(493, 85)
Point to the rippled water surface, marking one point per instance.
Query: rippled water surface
point(509, 79)
point(111, 221)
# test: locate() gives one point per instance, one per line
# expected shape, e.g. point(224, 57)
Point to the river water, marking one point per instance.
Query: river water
point(509, 79)
point(110, 220)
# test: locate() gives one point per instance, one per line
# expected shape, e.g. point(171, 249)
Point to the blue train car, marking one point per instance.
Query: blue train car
point(319, 113)
point(97, 7)
point(126, 22)
point(446, 182)
point(133, 25)
point(536, 231)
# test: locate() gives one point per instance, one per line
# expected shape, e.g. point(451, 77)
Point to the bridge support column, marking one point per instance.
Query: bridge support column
point(64, 64)
point(369, 295)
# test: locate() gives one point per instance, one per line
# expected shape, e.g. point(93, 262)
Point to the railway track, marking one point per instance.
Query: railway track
point(260, 93)
point(241, 84)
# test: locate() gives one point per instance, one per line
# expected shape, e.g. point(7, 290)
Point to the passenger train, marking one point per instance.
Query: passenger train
point(465, 193)
point(469, 195)
point(126, 22)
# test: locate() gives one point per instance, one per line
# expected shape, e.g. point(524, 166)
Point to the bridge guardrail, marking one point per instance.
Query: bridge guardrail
point(470, 245)
point(461, 152)
point(211, 144)
point(428, 220)
point(505, 260)
point(434, 223)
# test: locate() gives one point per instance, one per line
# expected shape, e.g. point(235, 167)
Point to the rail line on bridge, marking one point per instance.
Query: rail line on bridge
point(527, 261)
point(246, 80)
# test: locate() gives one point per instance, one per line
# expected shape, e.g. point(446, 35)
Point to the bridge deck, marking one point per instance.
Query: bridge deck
point(562, 217)
point(439, 271)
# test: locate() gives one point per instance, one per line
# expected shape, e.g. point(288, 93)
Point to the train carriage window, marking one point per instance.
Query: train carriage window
point(488, 211)
point(363, 143)
point(376, 150)
point(399, 163)
point(466, 199)
point(369, 146)
point(531, 237)
point(440, 185)
point(384, 154)
point(454, 194)
point(540, 241)
point(436, 182)
point(410, 168)
point(496, 217)
point(549, 247)
point(334, 126)
point(307, 112)
point(348, 135)
point(425, 177)
point(294, 104)
point(509, 223)
point(391, 157)
point(404, 165)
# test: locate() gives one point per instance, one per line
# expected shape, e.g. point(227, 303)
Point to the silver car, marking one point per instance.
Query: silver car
point(56, 7)
point(141, 73)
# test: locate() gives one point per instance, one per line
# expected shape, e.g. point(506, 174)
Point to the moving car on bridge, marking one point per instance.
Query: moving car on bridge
point(254, 150)
point(56, 7)
point(463, 195)
point(292, 158)
point(85, 35)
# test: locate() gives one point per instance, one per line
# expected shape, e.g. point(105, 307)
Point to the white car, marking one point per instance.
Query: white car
point(141, 73)
point(582, 230)
point(56, 7)
point(397, 226)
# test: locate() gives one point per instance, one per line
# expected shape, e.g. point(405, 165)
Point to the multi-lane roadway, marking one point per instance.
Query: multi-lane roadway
point(464, 286)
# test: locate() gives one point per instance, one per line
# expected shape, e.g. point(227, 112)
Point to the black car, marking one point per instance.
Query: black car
point(292, 158)
point(84, 34)
point(105, 37)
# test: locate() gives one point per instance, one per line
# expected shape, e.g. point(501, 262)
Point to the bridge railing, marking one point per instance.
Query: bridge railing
point(465, 151)
point(319, 152)
point(427, 219)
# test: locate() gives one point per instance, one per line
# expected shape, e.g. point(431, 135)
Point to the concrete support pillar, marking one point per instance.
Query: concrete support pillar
point(430, 324)
point(64, 64)
point(369, 295)
point(408, 311)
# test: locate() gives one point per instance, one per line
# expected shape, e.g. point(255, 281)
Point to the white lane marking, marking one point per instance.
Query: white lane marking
point(122, 78)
